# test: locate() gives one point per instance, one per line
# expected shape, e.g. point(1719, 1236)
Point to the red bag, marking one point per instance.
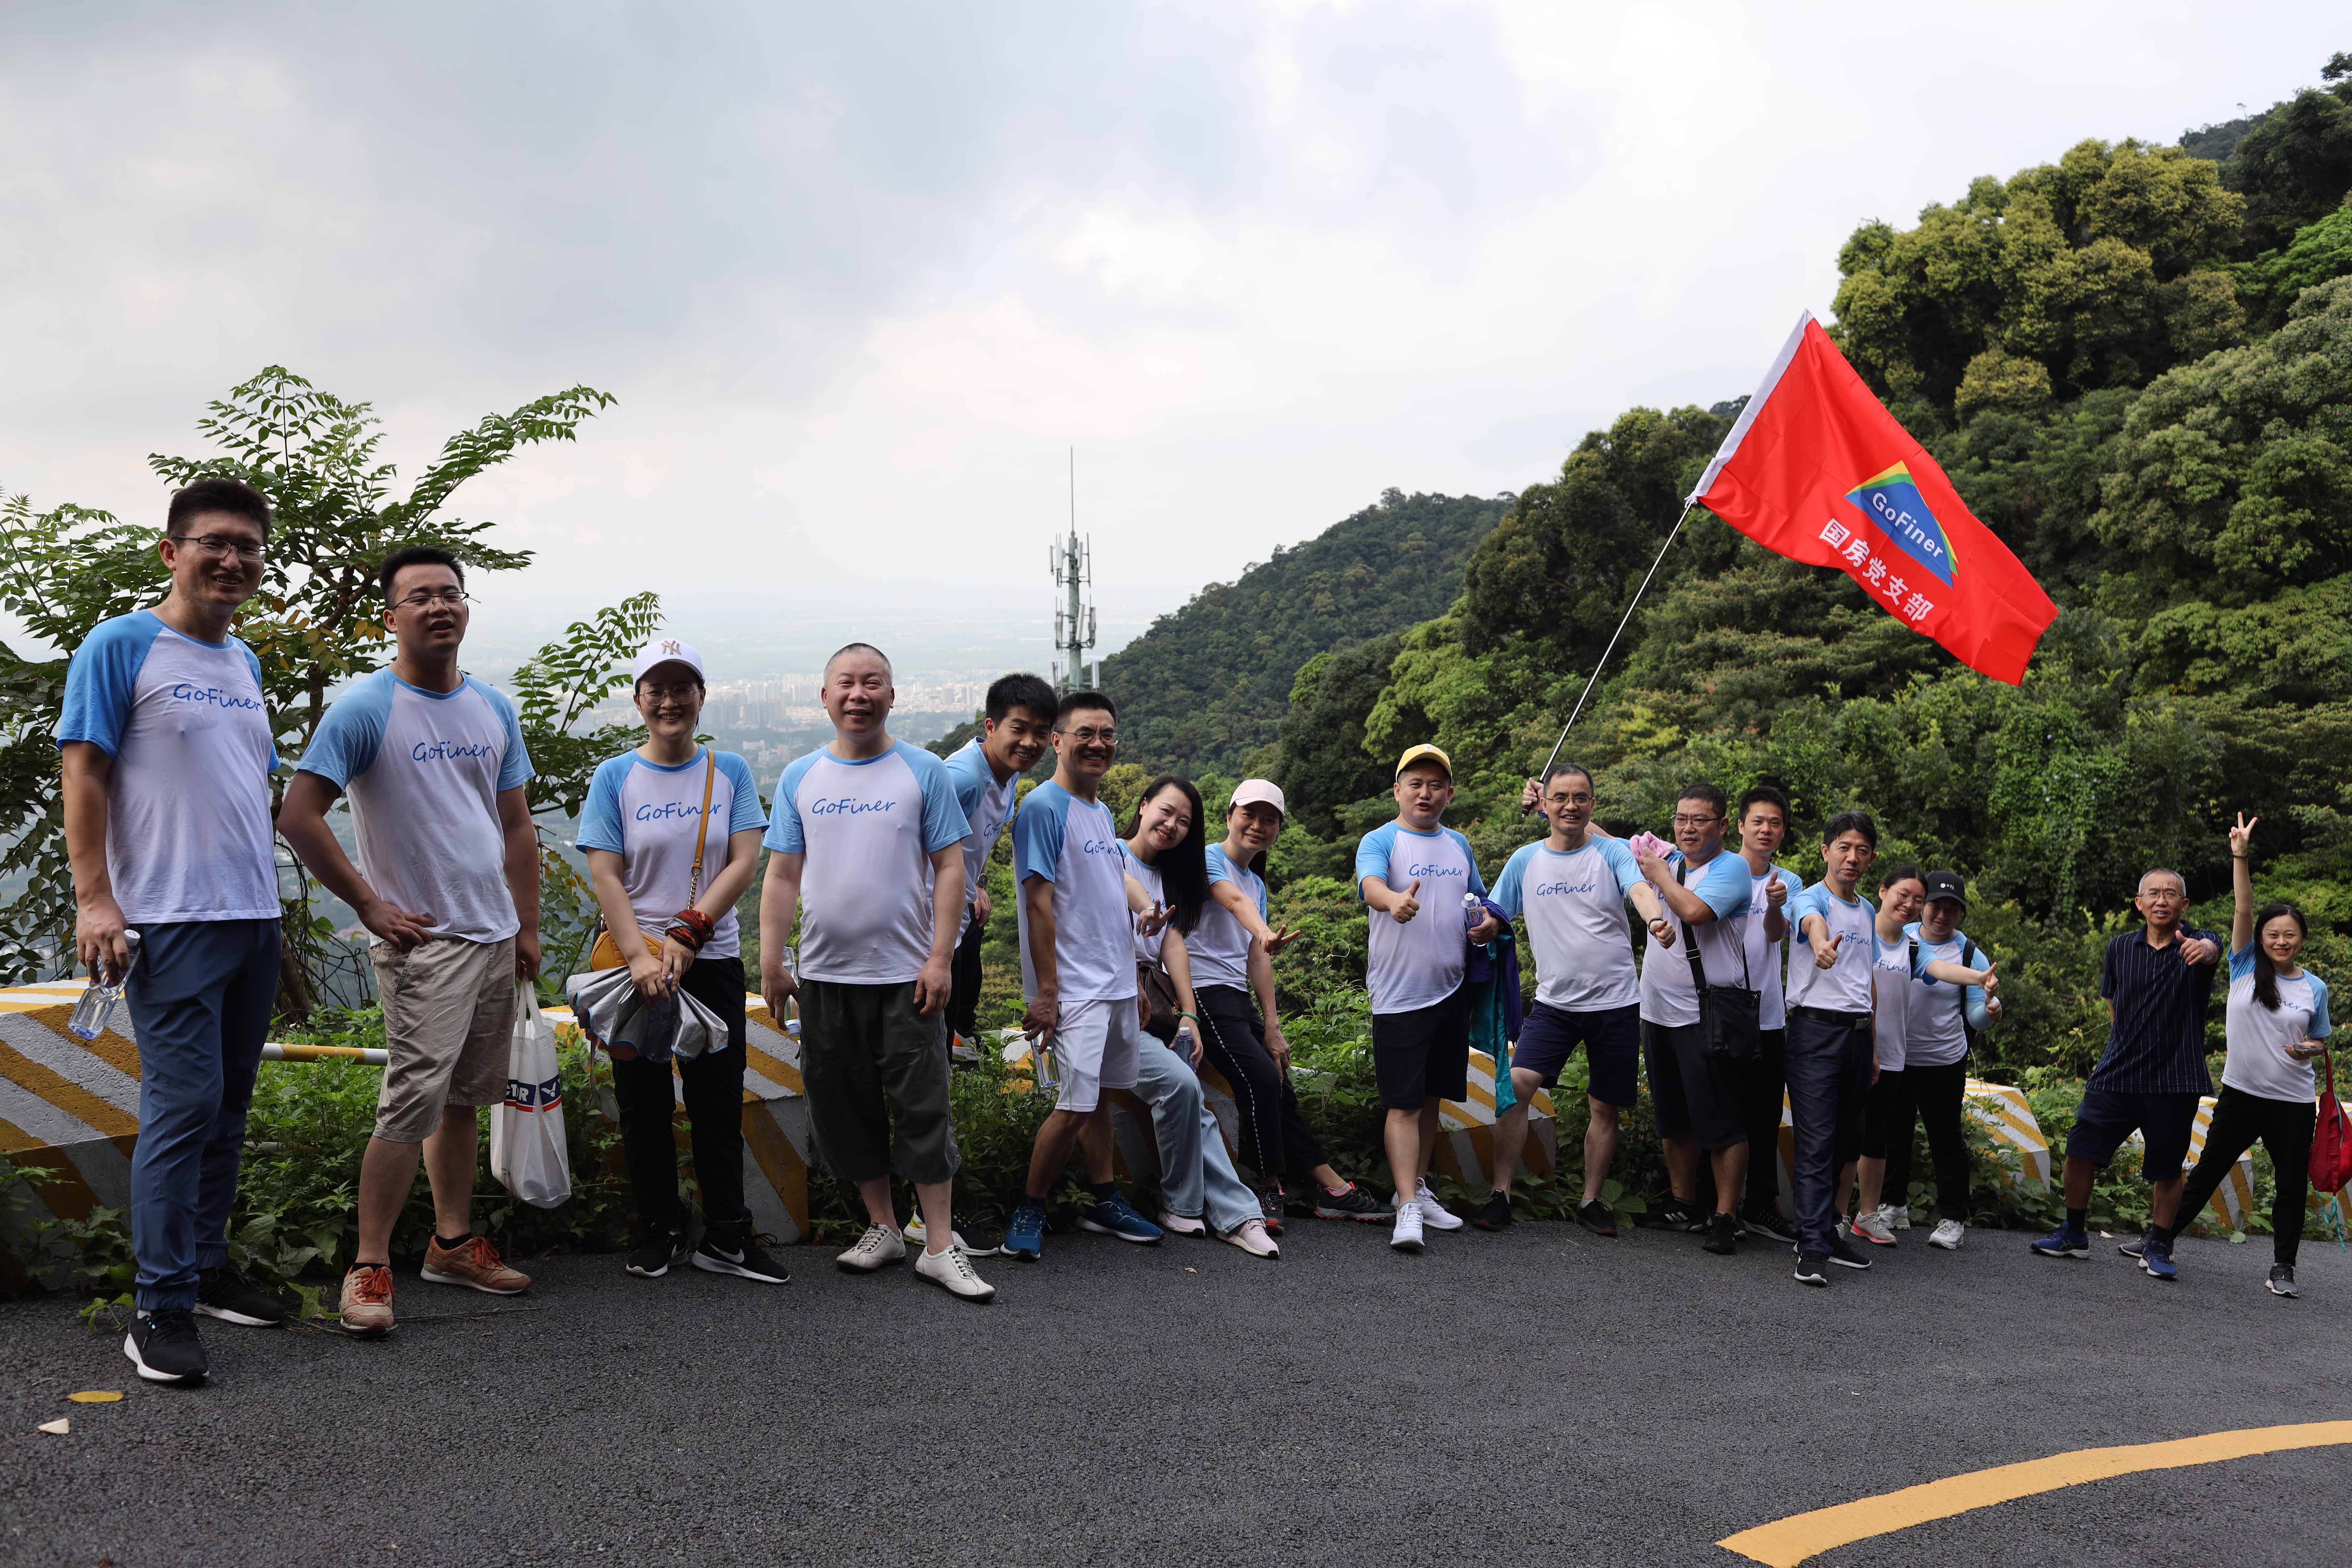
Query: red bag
point(2331, 1141)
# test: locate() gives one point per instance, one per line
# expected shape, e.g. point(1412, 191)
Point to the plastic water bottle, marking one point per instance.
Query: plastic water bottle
point(1473, 910)
point(96, 1008)
point(1046, 1061)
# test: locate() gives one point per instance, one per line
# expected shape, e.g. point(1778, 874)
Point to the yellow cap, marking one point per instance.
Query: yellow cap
point(1417, 754)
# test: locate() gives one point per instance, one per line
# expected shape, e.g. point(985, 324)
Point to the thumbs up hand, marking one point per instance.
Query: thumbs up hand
point(1776, 891)
point(1827, 957)
point(1407, 904)
point(1991, 981)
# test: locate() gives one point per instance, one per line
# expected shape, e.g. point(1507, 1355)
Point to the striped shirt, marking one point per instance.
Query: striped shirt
point(2158, 1043)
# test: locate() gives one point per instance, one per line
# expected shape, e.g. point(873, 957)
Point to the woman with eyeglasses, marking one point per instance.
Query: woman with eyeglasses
point(671, 831)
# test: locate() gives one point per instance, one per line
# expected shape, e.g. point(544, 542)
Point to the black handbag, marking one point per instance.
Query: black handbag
point(1160, 996)
point(1731, 1016)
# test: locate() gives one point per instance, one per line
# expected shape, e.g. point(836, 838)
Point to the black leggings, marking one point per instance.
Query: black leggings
point(713, 1093)
point(1275, 1139)
point(1933, 1095)
point(2284, 1128)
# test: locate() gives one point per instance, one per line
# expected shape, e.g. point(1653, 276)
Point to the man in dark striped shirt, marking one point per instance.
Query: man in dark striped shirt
point(2159, 982)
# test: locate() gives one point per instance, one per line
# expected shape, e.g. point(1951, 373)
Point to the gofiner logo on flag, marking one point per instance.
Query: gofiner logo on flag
point(1894, 504)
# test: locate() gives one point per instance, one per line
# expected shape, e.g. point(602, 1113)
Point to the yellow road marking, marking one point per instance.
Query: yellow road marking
point(1789, 1542)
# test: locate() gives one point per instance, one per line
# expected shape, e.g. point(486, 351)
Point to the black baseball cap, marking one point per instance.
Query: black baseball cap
point(1948, 885)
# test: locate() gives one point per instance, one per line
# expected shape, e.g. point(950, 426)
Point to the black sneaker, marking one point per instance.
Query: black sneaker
point(1677, 1214)
point(1764, 1219)
point(1594, 1215)
point(1354, 1200)
point(1722, 1235)
point(654, 1256)
point(165, 1348)
point(1495, 1215)
point(226, 1294)
point(744, 1258)
point(2134, 1247)
point(1812, 1268)
point(1270, 1206)
point(1842, 1254)
point(2282, 1280)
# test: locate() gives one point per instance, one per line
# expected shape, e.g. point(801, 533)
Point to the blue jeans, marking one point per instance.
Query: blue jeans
point(200, 999)
point(1828, 1066)
point(1197, 1178)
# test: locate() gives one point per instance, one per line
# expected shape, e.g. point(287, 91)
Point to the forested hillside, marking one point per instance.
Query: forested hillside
point(2137, 365)
point(1206, 686)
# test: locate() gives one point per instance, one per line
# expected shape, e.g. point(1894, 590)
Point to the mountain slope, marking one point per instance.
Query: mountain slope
point(1207, 686)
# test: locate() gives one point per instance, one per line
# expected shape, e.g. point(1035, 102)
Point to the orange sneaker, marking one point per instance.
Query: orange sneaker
point(474, 1262)
point(366, 1306)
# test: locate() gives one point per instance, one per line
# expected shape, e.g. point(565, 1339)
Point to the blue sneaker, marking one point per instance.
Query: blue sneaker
point(1024, 1239)
point(2064, 1243)
point(2156, 1256)
point(1116, 1216)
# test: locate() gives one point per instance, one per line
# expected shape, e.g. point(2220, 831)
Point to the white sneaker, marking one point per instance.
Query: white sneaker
point(1876, 1226)
point(1434, 1215)
point(1406, 1238)
point(878, 1246)
point(962, 1051)
point(1947, 1235)
point(953, 1272)
point(1899, 1215)
point(1181, 1225)
point(914, 1232)
point(1251, 1238)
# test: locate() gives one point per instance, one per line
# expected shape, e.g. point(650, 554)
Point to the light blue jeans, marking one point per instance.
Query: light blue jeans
point(1197, 1178)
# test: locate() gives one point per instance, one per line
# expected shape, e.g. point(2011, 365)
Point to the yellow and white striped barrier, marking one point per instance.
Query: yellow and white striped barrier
point(1998, 1108)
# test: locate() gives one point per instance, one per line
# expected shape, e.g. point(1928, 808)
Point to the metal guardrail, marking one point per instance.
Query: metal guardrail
point(278, 1053)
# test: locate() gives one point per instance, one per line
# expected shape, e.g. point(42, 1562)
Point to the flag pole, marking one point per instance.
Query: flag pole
point(1688, 507)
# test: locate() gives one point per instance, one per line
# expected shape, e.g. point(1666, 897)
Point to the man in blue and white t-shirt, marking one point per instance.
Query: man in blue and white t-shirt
point(165, 752)
point(1015, 726)
point(1077, 964)
point(1416, 875)
point(1831, 1037)
point(1699, 1099)
point(1571, 890)
point(866, 832)
point(1762, 820)
point(448, 885)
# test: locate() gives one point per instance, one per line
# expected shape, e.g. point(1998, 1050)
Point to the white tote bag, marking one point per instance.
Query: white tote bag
point(527, 1148)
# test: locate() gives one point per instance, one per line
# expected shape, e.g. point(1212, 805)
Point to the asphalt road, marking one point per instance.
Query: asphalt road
point(1541, 1396)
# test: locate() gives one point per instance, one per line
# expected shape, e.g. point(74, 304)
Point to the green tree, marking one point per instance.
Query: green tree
point(2297, 164)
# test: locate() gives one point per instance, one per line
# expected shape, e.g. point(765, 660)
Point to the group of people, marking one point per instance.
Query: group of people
point(1146, 953)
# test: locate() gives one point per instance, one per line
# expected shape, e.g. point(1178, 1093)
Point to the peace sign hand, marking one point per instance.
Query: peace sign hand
point(2241, 837)
point(1280, 940)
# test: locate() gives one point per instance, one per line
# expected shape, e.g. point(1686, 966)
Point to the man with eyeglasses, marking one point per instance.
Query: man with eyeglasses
point(2159, 982)
point(448, 884)
point(1763, 821)
point(165, 753)
point(1077, 964)
point(866, 832)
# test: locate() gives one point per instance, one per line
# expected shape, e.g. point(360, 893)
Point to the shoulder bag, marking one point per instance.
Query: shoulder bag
point(1730, 1016)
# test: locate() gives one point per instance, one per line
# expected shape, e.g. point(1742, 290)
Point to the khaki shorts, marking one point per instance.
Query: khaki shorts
point(449, 1014)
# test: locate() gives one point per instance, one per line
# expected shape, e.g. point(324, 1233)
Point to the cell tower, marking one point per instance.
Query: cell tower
point(1073, 622)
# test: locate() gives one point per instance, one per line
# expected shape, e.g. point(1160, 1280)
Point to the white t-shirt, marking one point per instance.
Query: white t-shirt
point(1220, 944)
point(1844, 988)
point(986, 803)
point(1419, 964)
point(649, 815)
point(1669, 997)
point(2258, 1063)
point(1773, 957)
point(869, 829)
point(1073, 844)
point(1146, 948)
point(188, 835)
point(1936, 1034)
point(1574, 904)
point(425, 771)
point(1890, 964)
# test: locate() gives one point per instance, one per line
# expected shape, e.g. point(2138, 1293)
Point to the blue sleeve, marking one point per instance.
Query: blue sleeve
point(1037, 836)
point(254, 665)
point(1372, 855)
point(2321, 1025)
point(1506, 886)
point(944, 823)
point(1812, 901)
point(102, 677)
point(747, 813)
point(514, 768)
point(969, 783)
point(350, 731)
point(600, 818)
point(1221, 867)
point(1478, 883)
point(1727, 887)
point(2241, 963)
point(1796, 885)
point(1622, 865)
point(784, 825)
point(2107, 971)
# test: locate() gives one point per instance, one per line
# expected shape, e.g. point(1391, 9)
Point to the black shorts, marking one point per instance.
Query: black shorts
point(1612, 1038)
point(1879, 1114)
point(1691, 1093)
point(2106, 1118)
point(1422, 1053)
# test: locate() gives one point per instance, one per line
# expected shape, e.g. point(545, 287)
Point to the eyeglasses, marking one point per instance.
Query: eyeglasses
point(221, 544)
point(1683, 821)
point(1088, 737)
point(426, 599)
point(670, 693)
point(1569, 799)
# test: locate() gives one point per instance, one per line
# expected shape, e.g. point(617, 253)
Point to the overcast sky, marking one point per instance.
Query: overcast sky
point(860, 276)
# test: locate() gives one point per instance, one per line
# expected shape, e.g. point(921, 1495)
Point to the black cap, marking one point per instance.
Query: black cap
point(1947, 885)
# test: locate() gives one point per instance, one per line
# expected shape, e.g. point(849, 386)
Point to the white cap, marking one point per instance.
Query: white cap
point(666, 650)
point(1254, 792)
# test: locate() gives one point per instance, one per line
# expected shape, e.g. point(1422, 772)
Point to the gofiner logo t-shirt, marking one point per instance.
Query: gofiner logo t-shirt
point(869, 829)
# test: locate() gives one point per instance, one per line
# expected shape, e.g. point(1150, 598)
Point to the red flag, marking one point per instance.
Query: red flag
point(1816, 469)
